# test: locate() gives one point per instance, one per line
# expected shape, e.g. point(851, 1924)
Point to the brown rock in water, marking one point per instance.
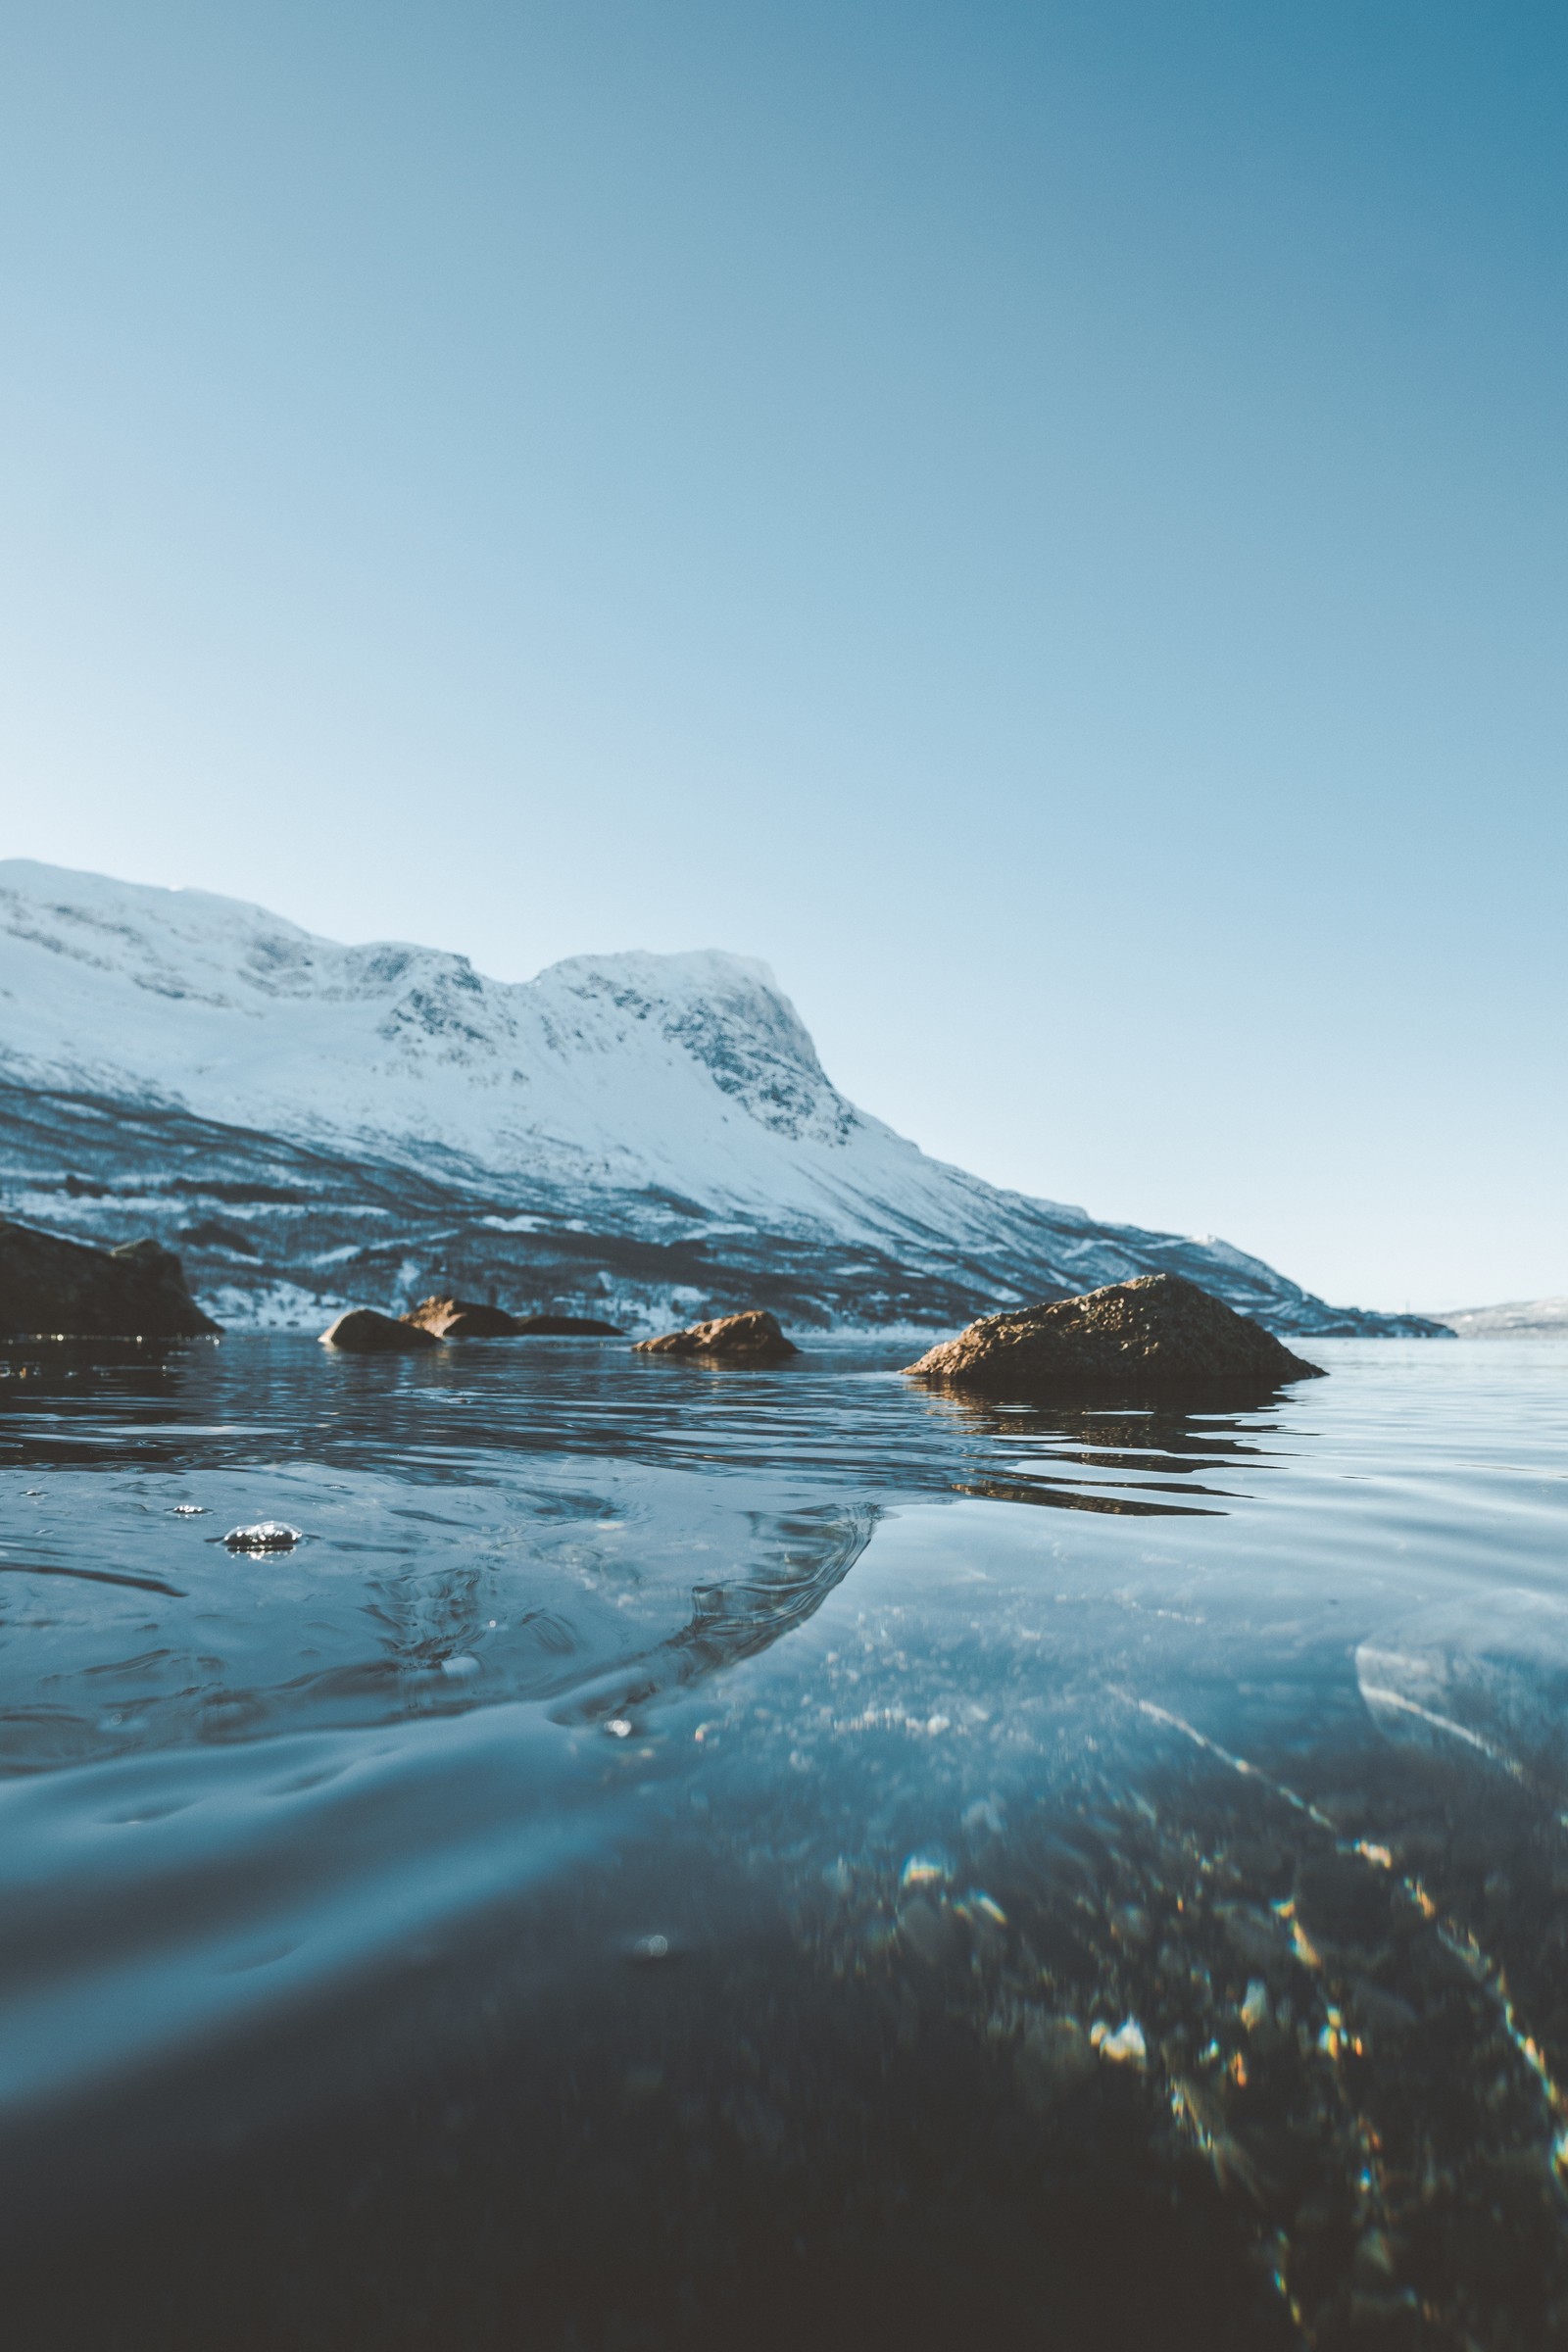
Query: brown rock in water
point(365, 1331)
point(1157, 1338)
point(750, 1339)
point(54, 1288)
point(464, 1319)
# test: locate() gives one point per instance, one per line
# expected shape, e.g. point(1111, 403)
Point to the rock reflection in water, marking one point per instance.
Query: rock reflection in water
point(1103, 1461)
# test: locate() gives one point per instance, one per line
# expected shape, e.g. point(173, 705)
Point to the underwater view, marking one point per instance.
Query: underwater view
point(538, 1846)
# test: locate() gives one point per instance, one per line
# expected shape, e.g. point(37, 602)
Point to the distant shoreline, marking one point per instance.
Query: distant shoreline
point(1519, 1319)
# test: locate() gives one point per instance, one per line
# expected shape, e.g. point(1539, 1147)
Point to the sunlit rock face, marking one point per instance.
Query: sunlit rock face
point(473, 1319)
point(1158, 1336)
point(462, 1319)
point(752, 1339)
point(640, 1139)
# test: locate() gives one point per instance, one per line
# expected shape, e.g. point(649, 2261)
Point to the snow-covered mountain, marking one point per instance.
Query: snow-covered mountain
point(311, 1123)
point(1519, 1319)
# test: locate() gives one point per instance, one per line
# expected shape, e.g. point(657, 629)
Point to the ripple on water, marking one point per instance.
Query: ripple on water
point(1186, 1840)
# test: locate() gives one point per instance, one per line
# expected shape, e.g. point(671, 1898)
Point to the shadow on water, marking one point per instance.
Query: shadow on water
point(481, 1926)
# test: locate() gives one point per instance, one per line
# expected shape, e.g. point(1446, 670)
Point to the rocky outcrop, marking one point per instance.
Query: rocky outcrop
point(1159, 1338)
point(750, 1339)
point(364, 1331)
point(466, 1319)
point(462, 1319)
point(54, 1288)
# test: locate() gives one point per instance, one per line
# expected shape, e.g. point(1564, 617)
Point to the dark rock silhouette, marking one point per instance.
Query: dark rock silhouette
point(1159, 1337)
point(51, 1288)
point(568, 1327)
point(365, 1331)
point(750, 1339)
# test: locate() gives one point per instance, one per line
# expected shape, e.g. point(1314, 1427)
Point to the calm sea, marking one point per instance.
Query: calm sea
point(676, 1858)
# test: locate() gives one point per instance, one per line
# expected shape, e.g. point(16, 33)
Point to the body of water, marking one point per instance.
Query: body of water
point(681, 1858)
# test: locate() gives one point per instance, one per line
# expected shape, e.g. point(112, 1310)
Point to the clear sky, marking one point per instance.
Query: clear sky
point(1046, 523)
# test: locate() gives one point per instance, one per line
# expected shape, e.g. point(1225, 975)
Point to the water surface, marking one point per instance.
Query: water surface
point(677, 1857)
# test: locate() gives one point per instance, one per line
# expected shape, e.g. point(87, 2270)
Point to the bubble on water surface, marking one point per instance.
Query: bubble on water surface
point(267, 1535)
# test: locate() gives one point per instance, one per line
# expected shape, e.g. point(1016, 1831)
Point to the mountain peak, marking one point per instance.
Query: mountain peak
point(260, 1019)
point(163, 1045)
point(728, 1013)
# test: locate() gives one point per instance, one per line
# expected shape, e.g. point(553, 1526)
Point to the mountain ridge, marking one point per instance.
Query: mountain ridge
point(1512, 1319)
point(648, 1131)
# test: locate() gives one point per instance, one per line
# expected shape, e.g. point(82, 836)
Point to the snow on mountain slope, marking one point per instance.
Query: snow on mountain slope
point(1518, 1319)
point(689, 1073)
point(657, 1099)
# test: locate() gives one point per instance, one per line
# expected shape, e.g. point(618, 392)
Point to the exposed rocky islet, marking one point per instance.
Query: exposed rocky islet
point(452, 1318)
point(755, 1338)
point(1158, 1336)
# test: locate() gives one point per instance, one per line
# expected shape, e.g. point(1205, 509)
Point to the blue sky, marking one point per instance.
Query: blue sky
point(1046, 524)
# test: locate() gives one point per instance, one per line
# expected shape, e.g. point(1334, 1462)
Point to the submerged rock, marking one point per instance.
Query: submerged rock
point(1053, 2057)
point(749, 1339)
point(1157, 1337)
point(51, 1288)
point(365, 1331)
